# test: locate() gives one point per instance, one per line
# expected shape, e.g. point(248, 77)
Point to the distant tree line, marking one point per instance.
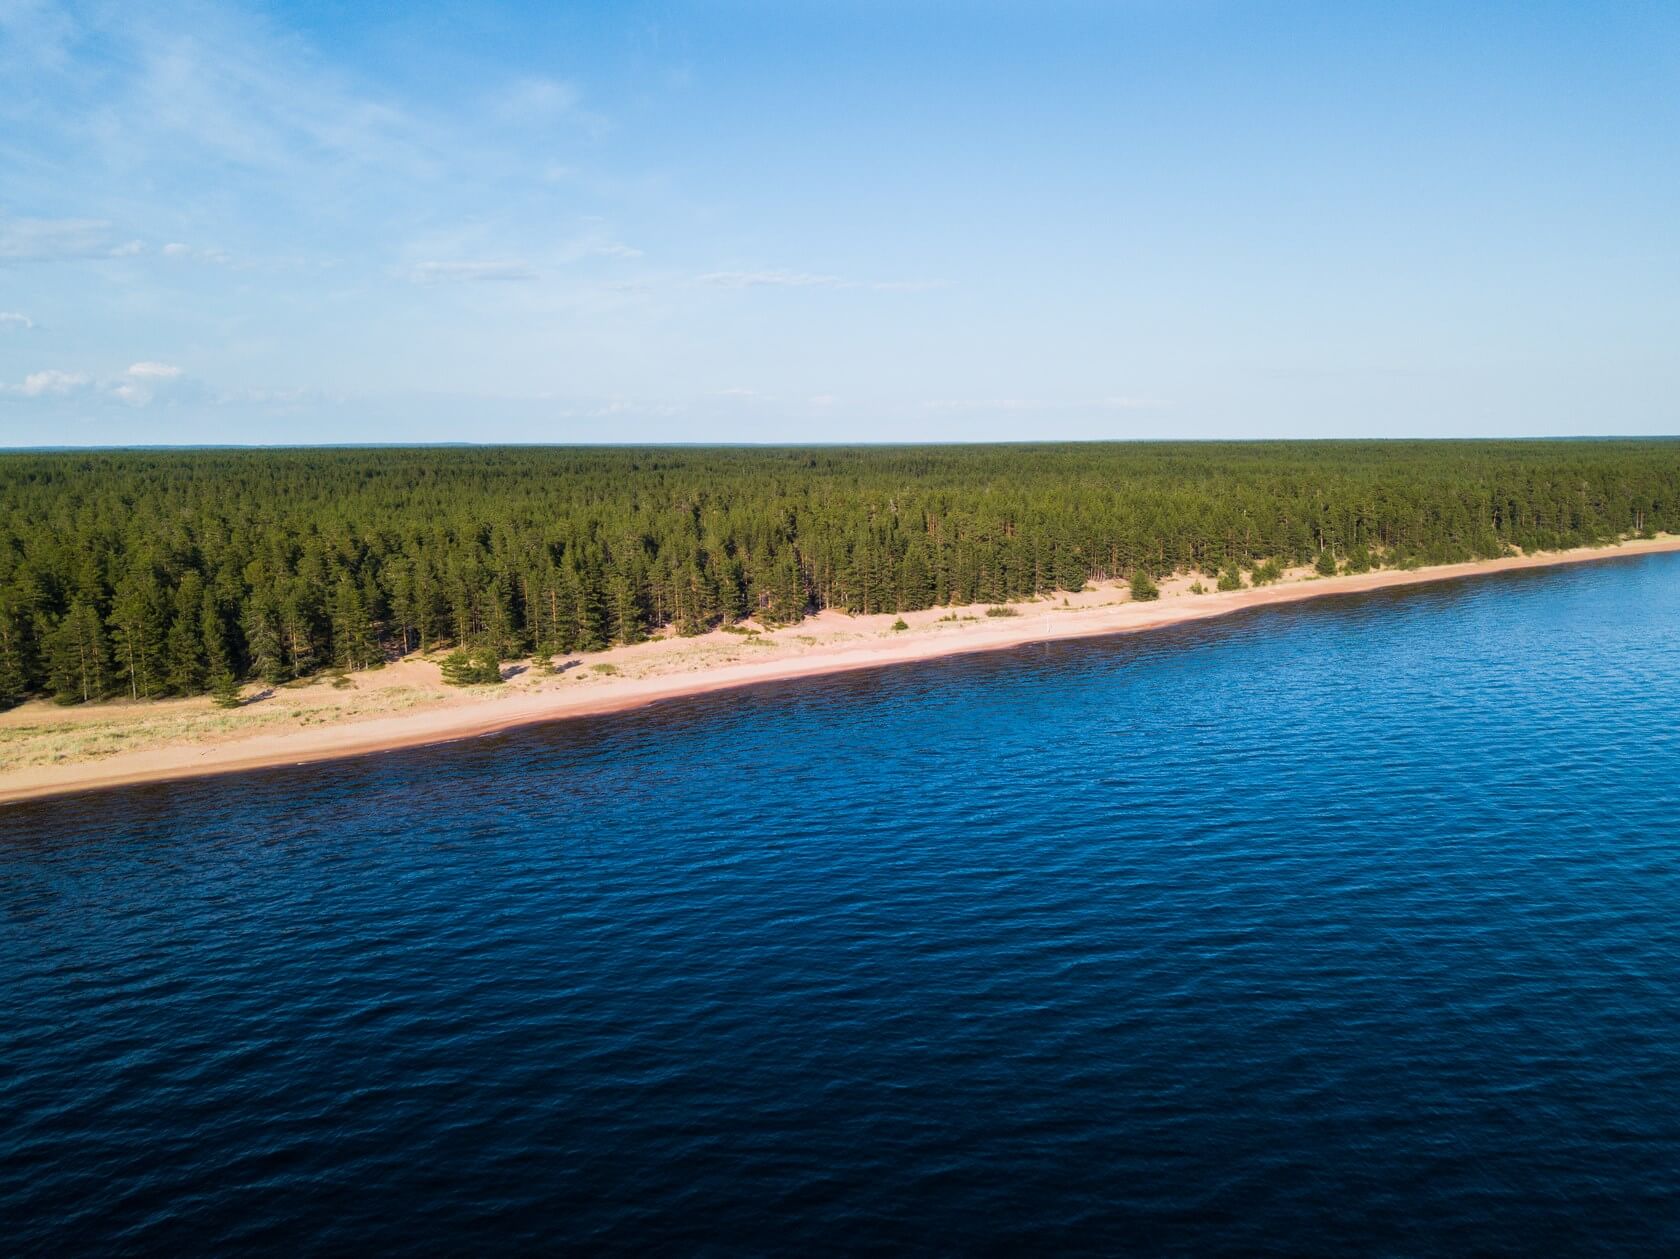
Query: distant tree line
point(154, 573)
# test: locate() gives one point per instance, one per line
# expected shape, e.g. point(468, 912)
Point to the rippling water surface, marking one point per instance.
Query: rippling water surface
point(1349, 926)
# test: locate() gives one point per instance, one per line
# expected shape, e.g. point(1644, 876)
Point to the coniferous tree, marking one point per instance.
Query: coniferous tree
point(352, 630)
point(78, 658)
point(224, 689)
point(138, 630)
point(218, 654)
point(184, 668)
point(261, 624)
point(560, 550)
point(17, 646)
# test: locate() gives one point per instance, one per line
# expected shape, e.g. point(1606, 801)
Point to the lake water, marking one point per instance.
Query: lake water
point(1352, 926)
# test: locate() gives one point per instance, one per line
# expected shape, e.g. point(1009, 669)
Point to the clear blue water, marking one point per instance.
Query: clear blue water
point(1347, 927)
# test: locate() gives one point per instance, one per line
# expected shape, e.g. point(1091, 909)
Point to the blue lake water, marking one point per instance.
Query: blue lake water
point(1351, 926)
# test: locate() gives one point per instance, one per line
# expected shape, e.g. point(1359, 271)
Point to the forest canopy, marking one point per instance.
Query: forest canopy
point(151, 573)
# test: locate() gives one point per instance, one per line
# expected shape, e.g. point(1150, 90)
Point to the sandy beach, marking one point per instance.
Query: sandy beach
point(48, 750)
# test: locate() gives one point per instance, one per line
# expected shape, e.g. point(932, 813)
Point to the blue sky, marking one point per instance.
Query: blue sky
point(831, 222)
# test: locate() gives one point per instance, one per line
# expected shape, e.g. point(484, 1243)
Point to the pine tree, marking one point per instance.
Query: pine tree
point(224, 689)
point(137, 625)
point(588, 617)
point(471, 667)
point(626, 615)
point(17, 646)
point(78, 659)
point(184, 670)
point(218, 656)
point(299, 617)
point(1144, 588)
point(262, 637)
point(352, 632)
point(458, 668)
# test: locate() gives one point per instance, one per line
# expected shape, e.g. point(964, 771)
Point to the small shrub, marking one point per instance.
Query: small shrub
point(480, 666)
point(1196, 587)
point(1231, 579)
point(900, 624)
point(1144, 588)
point(606, 668)
point(1000, 610)
point(1265, 574)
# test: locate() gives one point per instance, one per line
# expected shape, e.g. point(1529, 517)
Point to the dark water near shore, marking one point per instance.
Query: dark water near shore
point(1341, 927)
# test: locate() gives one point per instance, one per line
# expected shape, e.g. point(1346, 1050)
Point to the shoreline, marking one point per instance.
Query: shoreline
point(470, 715)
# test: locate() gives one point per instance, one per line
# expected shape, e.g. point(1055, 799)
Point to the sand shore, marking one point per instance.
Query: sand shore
point(46, 750)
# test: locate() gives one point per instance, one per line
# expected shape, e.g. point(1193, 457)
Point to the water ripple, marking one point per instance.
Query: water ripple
point(1332, 928)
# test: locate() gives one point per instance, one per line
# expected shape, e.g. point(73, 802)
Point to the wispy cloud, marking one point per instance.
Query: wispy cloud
point(52, 383)
point(478, 271)
point(542, 101)
point(137, 385)
point(1045, 404)
point(176, 249)
point(537, 97)
point(768, 279)
point(807, 280)
point(53, 240)
point(142, 382)
point(12, 319)
point(154, 371)
point(1132, 404)
point(986, 404)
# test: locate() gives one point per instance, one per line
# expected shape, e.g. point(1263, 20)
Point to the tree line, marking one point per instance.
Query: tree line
point(153, 573)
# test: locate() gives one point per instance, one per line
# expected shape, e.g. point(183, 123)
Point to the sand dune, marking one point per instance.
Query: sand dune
point(45, 750)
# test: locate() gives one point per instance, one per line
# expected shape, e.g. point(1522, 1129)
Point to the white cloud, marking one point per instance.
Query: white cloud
point(474, 272)
point(175, 249)
point(614, 250)
point(537, 98)
point(1041, 404)
point(808, 280)
point(53, 240)
point(142, 382)
point(51, 383)
point(137, 385)
point(1132, 404)
point(536, 101)
point(758, 279)
point(987, 404)
point(11, 319)
point(154, 371)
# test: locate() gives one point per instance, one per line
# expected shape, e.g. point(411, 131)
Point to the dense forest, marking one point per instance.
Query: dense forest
point(154, 573)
